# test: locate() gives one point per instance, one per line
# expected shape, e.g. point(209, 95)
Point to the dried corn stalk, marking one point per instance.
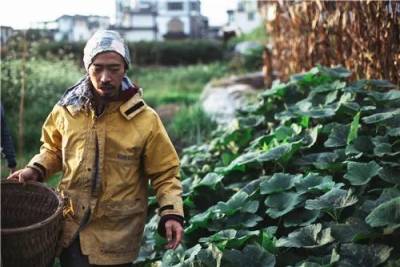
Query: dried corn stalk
point(363, 36)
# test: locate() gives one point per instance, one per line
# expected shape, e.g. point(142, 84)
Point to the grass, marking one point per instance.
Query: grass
point(183, 85)
point(190, 126)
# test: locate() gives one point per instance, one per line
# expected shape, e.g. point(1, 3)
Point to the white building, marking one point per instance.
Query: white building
point(78, 28)
point(159, 20)
point(245, 17)
point(136, 21)
point(5, 33)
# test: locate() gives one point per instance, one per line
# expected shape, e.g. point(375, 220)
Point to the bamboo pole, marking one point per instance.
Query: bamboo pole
point(22, 96)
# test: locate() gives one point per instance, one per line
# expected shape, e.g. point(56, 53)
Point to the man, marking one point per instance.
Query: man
point(108, 143)
point(7, 145)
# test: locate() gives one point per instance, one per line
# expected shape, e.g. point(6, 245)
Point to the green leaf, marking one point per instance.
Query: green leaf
point(282, 203)
point(237, 221)
point(348, 232)
point(210, 257)
point(251, 254)
point(268, 240)
point(210, 180)
point(384, 84)
point(305, 121)
point(300, 217)
point(220, 239)
point(356, 255)
point(381, 117)
point(319, 113)
point(334, 86)
point(394, 132)
point(334, 199)
point(393, 263)
point(386, 214)
point(275, 153)
point(383, 146)
point(322, 160)
point(180, 258)
point(283, 133)
point(314, 182)
point(220, 236)
point(309, 264)
point(310, 136)
point(310, 236)
point(389, 174)
point(386, 96)
point(386, 195)
point(337, 137)
point(355, 125)
point(242, 237)
point(238, 202)
point(362, 144)
point(251, 121)
point(201, 220)
point(278, 89)
point(335, 72)
point(359, 173)
point(278, 182)
point(240, 162)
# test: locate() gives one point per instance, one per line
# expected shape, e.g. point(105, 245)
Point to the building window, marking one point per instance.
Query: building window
point(175, 25)
point(250, 16)
point(175, 6)
point(240, 7)
point(194, 6)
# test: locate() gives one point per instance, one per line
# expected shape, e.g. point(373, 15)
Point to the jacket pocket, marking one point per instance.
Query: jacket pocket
point(122, 226)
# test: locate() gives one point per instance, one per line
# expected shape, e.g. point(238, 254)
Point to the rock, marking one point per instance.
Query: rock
point(246, 47)
point(221, 102)
point(253, 79)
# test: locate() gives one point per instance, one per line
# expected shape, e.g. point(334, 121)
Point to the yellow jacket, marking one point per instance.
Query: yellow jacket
point(107, 162)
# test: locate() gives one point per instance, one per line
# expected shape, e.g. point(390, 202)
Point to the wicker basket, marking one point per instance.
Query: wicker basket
point(31, 224)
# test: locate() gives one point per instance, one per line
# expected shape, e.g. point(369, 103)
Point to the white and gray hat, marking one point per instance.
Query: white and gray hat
point(103, 41)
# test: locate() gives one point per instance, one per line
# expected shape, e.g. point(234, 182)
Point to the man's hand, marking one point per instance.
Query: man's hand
point(173, 233)
point(24, 175)
point(12, 170)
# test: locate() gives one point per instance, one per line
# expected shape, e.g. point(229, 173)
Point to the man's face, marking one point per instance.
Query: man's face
point(106, 74)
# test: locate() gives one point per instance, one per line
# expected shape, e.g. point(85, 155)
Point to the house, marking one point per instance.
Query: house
point(245, 17)
point(136, 21)
point(78, 27)
point(160, 20)
point(5, 33)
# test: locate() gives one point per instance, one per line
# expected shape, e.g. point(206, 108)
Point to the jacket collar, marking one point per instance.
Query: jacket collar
point(133, 106)
point(128, 109)
point(79, 96)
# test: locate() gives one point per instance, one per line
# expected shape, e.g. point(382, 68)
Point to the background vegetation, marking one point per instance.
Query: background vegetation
point(46, 69)
point(360, 35)
point(307, 176)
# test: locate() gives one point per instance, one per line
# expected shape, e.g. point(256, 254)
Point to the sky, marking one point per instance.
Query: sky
point(21, 14)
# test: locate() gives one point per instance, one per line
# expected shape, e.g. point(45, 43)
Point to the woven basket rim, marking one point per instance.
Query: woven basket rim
point(38, 224)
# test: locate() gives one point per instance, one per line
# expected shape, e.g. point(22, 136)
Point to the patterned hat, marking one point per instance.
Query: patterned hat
point(103, 41)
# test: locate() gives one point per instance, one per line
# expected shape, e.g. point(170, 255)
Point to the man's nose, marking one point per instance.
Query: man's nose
point(105, 76)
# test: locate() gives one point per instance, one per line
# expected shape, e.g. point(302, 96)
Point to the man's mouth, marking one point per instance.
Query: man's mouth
point(106, 88)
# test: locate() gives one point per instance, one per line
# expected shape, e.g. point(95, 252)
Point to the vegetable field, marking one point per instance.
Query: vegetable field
point(307, 176)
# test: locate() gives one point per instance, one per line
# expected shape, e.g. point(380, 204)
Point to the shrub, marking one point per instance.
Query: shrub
point(169, 53)
point(45, 81)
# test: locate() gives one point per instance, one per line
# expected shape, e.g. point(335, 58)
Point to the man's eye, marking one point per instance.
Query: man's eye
point(114, 69)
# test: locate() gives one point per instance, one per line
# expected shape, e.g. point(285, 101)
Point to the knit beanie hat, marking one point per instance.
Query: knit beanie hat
point(104, 41)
